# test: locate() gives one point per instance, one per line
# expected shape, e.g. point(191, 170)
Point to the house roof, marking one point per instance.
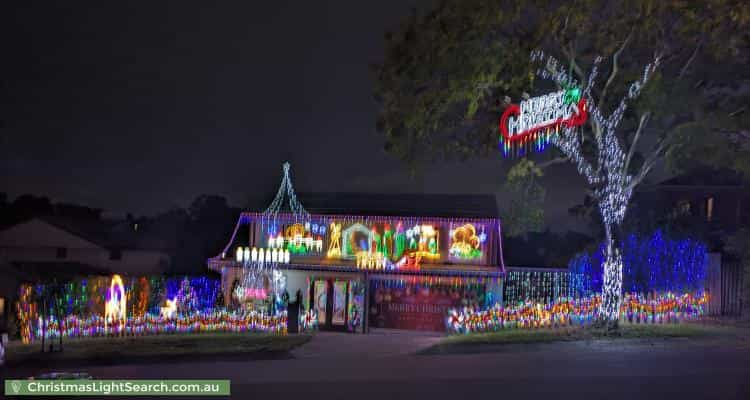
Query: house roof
point(401, 205)
point(29, 270)
point(107, 234)
point(705, 177)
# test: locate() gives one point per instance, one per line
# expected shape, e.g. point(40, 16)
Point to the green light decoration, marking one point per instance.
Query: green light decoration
point(297, 248)
point(400, 242)
point(466, 252)
point(572, 95)
point(378, 242)
point(348, 247)
point(433, 246)
point(387, 241)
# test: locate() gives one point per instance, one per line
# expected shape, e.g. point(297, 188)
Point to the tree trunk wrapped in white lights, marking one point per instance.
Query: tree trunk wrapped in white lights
point(607, 172)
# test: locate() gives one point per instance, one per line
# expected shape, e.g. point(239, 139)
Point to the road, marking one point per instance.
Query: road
point(383, 366)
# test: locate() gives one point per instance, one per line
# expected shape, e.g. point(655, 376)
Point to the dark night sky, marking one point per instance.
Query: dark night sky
point(139, 106)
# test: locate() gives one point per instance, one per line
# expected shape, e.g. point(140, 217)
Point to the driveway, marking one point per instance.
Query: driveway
point(378, 343)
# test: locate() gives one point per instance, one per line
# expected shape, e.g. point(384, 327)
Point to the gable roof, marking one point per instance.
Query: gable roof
point(38, 232)
point(705, 177)
point(401, 205)
point(100, 233)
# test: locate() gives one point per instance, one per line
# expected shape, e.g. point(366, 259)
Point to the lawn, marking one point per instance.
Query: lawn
point(156, 348)
point(492, 340)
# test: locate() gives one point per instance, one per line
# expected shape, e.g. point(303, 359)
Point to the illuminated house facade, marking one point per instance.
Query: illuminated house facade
point(366, 261)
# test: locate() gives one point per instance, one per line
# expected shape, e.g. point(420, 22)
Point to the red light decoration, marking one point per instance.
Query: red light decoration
point(533, 121)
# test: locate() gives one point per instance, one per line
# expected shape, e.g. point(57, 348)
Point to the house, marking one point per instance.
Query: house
point(47, 247)
point(355, 261)
point(709, 203)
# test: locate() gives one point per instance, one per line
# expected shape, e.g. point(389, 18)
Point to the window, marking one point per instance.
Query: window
point(115, 254)
point(709, 209)
point(683, 207)
point(62, 252)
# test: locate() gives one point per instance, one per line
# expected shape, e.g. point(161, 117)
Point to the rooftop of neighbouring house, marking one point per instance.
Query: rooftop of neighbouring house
point(705, 177)
point(108, 234)
point(401, 205)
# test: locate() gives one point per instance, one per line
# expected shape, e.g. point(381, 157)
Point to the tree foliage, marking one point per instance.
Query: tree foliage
point(524, 213)
point(447, 75)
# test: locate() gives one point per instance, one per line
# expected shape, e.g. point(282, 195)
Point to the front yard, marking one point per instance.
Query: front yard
point(491, 341)
point(155, 348)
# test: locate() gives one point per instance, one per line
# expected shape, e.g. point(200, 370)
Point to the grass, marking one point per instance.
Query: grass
point(490, 341)
point(155, 348)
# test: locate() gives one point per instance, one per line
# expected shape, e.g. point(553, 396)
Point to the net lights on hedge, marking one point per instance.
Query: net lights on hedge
point(74, 326)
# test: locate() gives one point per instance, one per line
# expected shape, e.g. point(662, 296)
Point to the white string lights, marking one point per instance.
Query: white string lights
point(613, 186)
point(286, 190)
point(261, 266)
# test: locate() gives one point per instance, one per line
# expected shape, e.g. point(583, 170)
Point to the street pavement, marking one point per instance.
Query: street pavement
point(384, 366)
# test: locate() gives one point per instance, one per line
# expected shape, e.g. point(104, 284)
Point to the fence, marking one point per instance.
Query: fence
point(725, 284)
point(723, 280)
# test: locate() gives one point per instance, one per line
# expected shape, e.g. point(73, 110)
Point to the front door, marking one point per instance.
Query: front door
point(331, 302)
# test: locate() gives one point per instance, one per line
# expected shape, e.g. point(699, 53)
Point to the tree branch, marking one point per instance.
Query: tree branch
point(570, 55)
point(615, 68)
point(641, 124)
point(685, 67)
point(648, 164)
point(557, 160)
point(738, 112)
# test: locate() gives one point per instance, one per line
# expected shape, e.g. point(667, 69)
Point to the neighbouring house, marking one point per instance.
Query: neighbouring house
point(46, 247)
point(710, 203)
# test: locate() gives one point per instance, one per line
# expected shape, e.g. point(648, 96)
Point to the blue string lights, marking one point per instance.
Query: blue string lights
point(652, 263)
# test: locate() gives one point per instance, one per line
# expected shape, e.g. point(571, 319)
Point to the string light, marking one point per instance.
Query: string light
point(286, 190)
point(650, 263)
point(612, 184)
point(75, 326)
point(535, 120)
point(660, 308)
point(101, 299)
point(309, 320)
point(465, 243)
point(535, 286)
point(116, 307)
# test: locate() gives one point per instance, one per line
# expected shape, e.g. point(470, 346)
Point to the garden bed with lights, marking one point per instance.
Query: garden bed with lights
point(135, 308)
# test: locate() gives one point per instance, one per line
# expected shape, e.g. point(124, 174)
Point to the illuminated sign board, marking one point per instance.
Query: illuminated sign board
point(542, 116)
